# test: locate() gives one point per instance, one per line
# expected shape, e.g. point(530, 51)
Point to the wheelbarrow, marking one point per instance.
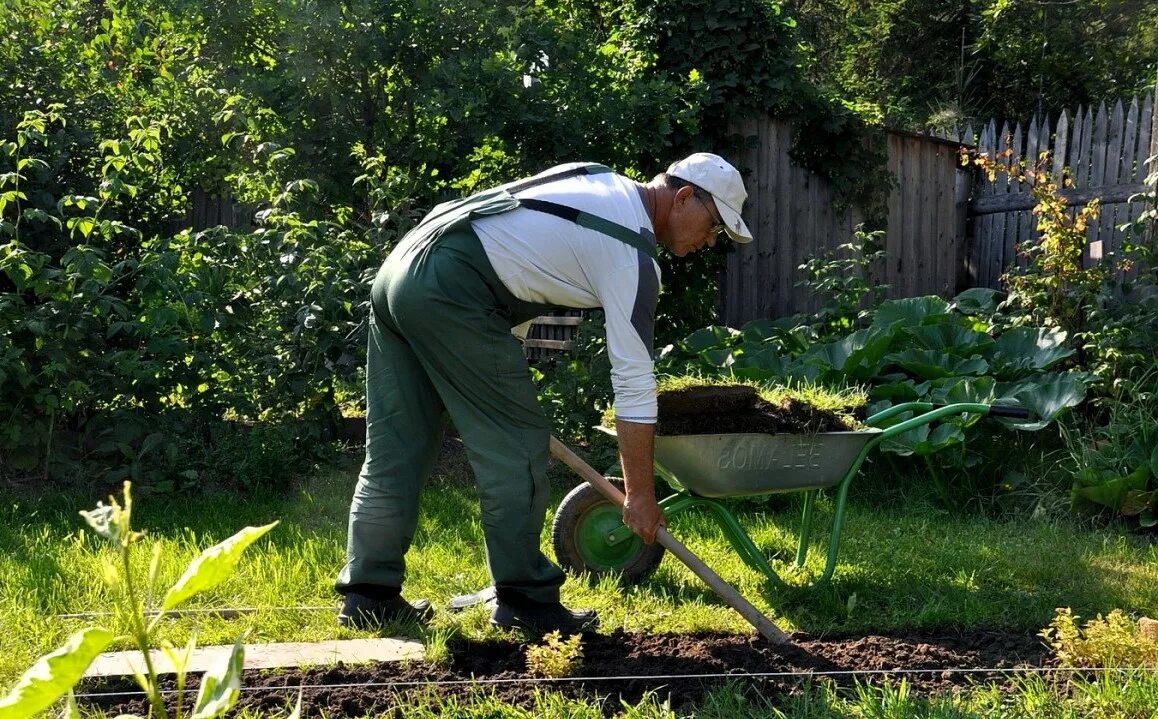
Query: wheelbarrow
point(705, 469)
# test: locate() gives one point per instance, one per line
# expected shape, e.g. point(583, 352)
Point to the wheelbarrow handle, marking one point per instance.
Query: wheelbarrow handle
point(926, 412)
point(724, 590)
point(1006, 410)
point(999, 410)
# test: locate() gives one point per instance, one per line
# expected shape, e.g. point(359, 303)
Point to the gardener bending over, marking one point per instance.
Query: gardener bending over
point(444, 303)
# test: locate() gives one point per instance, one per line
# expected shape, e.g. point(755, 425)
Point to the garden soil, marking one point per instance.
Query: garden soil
point(680, 668)
point(726, 409)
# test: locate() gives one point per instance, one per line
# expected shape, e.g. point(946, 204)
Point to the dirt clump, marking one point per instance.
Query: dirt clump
point(731, 409)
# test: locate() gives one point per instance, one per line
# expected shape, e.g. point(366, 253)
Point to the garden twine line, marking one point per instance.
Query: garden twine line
point(718, 675)
point(226, 613)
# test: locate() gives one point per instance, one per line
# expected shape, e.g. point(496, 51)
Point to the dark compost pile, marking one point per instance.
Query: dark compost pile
point(727, 409)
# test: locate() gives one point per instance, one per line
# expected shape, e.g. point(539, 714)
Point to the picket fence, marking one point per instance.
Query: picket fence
point(1102, 152)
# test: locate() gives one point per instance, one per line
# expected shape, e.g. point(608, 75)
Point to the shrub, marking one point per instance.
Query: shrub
point(555, 657)
point(844, 279)
point(1115, 466)
point(1108, 309)
point(1110, 641)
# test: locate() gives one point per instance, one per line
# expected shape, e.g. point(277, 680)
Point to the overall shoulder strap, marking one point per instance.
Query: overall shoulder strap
point(583, 219)
point(592, 222)
point(590, 169)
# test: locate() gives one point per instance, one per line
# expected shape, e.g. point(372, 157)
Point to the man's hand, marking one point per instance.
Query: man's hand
point(644, 516)
point(636, 455)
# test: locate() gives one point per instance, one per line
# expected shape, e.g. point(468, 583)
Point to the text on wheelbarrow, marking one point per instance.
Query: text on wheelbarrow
point(804, 454)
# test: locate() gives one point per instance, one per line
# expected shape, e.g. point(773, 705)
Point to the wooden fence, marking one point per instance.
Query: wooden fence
point(1105, 151)
point(949, 228)
point(207, 211)
point(792, 214)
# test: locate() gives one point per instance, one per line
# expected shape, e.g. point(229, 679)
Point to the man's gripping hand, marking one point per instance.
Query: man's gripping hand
point(643, 516)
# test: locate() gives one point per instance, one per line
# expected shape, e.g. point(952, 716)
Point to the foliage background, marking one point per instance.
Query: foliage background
point(136, 346)
point(925, 63)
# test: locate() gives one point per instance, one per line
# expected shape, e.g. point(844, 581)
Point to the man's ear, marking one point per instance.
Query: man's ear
point(684, 195)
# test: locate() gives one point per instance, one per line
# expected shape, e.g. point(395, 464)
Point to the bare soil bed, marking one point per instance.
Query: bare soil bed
point(628, 666)
point(727, 409)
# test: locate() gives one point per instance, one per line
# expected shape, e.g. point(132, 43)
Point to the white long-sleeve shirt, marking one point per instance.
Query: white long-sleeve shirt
point(549, 260)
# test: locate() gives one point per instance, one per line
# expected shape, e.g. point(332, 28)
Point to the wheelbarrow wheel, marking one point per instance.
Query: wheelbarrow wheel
point(580, 535)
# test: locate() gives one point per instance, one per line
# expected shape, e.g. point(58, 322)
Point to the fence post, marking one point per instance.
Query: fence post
point(1154, 153)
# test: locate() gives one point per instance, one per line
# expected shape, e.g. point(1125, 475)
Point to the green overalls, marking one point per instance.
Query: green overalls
point(440, 344)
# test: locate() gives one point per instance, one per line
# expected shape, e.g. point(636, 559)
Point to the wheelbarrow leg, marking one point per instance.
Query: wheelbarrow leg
point(741, 541)
point(837, 526)
point(805, 527)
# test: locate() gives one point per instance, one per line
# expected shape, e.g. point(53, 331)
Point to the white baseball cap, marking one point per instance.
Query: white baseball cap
point(716, 176)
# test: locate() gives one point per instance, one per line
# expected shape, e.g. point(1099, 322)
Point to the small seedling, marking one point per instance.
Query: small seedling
point(556, 657)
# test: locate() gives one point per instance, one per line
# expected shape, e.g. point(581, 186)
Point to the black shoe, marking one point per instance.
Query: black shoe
point(362, 612)
point(544, 618)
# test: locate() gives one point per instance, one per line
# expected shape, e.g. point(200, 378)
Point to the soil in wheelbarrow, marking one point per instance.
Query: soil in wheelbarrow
point(728, 409)
point(681, 668)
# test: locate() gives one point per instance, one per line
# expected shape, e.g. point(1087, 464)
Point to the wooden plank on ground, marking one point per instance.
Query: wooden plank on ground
point(266, 656)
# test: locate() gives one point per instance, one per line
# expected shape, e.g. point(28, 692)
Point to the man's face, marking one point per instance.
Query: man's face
point(694, 223)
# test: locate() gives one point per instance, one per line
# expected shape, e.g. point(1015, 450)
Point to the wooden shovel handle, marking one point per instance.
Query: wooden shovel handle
point(724, 590)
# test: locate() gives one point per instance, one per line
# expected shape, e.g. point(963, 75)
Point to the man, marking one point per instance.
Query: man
point(444, 303)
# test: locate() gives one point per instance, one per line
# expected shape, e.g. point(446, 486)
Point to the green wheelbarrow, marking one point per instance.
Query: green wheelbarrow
point(588, 531)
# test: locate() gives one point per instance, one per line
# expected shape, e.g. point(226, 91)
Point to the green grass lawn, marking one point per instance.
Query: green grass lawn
point(900, 567)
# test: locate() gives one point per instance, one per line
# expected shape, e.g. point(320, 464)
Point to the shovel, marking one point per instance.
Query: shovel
point(722, 589)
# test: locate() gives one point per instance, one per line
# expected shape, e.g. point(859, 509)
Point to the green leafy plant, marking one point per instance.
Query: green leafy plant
point(844, 279)
point(1111, 641)
point(1115, 466)
point(915, 349)
point(54, 674)
point(555, 657)
point(436, 647)
point(1055, 289)
point(920, 348)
